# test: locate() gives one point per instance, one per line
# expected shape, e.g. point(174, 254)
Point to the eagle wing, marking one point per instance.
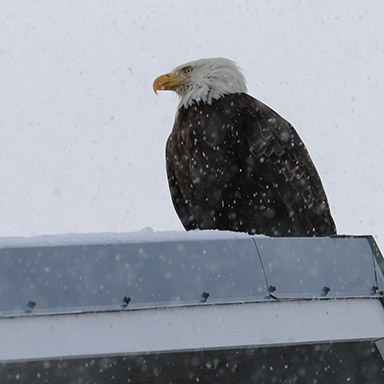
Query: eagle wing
point(179, 202)
point(275, 158)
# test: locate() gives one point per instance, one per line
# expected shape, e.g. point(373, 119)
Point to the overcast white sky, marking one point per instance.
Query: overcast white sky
point(82, 134)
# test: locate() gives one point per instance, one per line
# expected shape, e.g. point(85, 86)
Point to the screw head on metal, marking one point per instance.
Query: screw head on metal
point(205, 295)
point(326, 290)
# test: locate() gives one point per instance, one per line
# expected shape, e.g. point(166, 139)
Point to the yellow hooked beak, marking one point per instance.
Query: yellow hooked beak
point(166, 82)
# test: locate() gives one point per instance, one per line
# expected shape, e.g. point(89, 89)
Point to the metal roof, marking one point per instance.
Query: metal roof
point(192, 307)
point(111, 277)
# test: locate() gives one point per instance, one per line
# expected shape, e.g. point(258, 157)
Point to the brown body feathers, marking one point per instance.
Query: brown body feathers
point(237, 165)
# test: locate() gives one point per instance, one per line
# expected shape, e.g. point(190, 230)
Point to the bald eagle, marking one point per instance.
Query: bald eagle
point(235, 164)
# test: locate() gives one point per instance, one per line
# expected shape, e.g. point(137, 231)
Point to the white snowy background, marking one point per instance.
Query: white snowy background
point(82, 134)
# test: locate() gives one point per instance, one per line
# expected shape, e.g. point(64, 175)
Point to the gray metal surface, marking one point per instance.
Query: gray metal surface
point(76, 278)
point(313, 268)
point(380, 347)
point(61, 279)
point(379, 266)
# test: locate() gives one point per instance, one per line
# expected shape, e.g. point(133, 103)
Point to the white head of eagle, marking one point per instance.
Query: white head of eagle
point(203, 80)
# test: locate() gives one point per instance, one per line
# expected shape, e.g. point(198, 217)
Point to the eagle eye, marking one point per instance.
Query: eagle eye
point(187, 69)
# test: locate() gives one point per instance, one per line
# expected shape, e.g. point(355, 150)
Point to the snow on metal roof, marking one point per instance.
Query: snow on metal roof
point(146, 235)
